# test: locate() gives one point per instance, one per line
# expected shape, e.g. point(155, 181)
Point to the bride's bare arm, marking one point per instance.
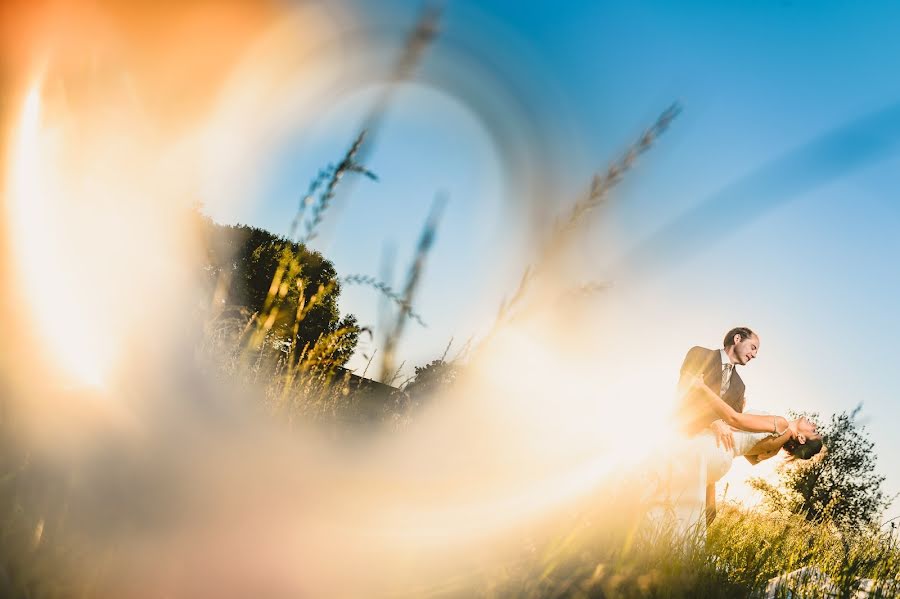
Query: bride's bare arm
point(753, 423)
point(757, 458)
point(769, 447)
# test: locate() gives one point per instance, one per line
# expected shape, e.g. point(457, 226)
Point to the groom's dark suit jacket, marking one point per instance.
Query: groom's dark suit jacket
point(694, 413)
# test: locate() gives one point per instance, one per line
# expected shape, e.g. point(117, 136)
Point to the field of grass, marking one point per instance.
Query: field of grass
point(605, 548)
point(72, 525)
point(742, 551)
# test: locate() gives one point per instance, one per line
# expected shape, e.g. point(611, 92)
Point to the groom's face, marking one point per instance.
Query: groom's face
point(745, 349)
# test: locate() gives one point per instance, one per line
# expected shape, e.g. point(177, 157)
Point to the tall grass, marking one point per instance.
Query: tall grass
point(613, 551)
point(304, 381)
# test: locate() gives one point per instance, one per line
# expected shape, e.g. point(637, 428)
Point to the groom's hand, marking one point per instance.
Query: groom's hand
point(696, 381)
point(724, 436)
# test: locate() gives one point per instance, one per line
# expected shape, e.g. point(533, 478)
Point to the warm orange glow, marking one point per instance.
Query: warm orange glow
point(60, 313)
point(112, 142)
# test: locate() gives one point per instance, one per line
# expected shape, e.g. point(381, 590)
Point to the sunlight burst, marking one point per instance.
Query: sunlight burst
point(60, 313)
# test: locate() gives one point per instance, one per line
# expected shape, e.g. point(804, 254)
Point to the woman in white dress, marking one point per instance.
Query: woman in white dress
point(693, 469)
point(800, 440)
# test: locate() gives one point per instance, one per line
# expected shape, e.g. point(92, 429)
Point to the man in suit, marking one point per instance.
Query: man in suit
point(717, 367)
point(719, 372)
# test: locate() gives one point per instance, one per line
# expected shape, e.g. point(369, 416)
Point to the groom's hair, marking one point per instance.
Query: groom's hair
point(744, 332)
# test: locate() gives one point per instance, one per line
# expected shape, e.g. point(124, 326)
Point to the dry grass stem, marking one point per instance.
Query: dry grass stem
point(601, 184)
point(386, 291)
point(413, 277)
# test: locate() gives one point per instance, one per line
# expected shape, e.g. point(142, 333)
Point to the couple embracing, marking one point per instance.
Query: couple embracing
point(711, 414)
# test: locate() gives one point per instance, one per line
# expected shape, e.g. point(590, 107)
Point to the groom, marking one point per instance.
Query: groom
point(718, 368)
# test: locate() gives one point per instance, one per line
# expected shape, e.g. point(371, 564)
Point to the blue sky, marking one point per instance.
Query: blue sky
point(782, 171)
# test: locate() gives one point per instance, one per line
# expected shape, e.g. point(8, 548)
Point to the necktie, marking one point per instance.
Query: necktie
point(726, 379)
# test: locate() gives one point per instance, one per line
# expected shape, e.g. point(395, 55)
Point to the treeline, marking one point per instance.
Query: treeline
point(287, 293)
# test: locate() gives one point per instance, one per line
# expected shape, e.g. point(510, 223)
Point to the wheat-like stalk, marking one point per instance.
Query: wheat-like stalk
point(326, 184)
point(601, 184)
point(387, 291)
point(348, 164)
point(413, 278)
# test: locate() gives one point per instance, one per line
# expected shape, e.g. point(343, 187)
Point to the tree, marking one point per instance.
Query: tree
point(431, 378)
point(276, 278)
point(839, 484)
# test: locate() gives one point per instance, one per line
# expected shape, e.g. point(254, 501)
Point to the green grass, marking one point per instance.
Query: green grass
point(613, 552)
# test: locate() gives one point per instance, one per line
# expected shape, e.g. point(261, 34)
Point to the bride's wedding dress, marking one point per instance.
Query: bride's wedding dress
point(718, 459)
point(693, 464)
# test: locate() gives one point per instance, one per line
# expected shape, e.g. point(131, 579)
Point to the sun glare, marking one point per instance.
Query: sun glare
point(56, 310)
point(101, 174)
point(573, 410)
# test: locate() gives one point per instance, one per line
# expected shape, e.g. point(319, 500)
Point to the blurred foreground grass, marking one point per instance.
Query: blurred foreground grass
point(606, 547)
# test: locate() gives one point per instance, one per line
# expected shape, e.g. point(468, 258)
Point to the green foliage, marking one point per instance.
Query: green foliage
point(431, 378)
point(292, 291)
point(841, 484)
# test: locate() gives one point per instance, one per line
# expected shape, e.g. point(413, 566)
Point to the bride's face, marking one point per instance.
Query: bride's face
point(807, 428)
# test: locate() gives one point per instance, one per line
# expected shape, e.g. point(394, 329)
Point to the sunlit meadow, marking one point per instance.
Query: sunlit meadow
point(158, 445)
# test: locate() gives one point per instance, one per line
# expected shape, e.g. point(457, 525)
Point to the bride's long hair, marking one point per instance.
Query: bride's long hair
point(803, 451)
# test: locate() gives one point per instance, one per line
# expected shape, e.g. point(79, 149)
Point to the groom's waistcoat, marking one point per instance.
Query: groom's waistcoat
point(694, 412)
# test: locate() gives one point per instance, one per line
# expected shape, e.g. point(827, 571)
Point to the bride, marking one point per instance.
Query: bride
point(800, 440)
point(757, 436)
